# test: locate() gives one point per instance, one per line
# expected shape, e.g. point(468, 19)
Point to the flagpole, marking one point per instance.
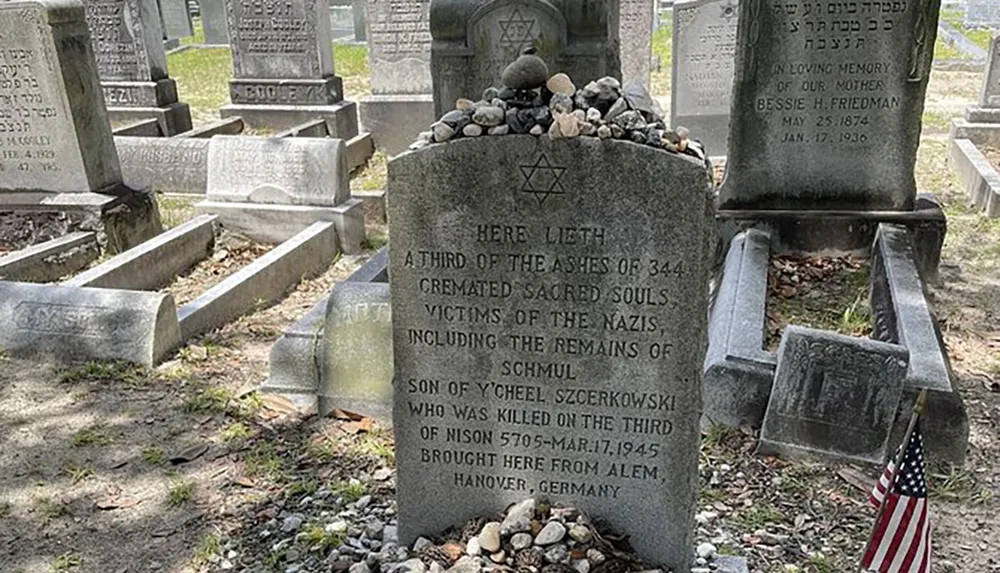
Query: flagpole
point(918, 410)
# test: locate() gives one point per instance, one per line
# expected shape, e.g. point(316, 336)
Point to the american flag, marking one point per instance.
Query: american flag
point(901, 541)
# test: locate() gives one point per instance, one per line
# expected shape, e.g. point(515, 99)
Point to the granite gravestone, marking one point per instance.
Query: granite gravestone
point(57, 152)
point(399, 48)
point(991, 83)
point(214, 23)
point(818, 373)
point(827, 102)
point(357, 351)
point(474, 40)
point(704, 48)
point(283, 71)
point(176, 19)
point(635, 30)
point(126, 36)
point(549, 312)
point(359, 10)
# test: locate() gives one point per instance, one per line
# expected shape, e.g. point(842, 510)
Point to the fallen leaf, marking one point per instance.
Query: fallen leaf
point(190, 454)
point(279, 404)
point(362, 425)
point(244, 481)
point(116, 503)
point(854, 477)
point(344, 415)
point(382, 474)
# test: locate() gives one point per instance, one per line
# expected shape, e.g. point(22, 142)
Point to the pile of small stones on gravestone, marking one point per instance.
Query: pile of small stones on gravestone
point(531, 537)
point(532, 102)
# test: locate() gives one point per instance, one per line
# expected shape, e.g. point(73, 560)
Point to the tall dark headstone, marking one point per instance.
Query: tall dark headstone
point(399, 49)
point(474, 40)
point(57, 152)
point(549, 325)
point(704, 51)
point(827, 104)
point(176, 19)
point(283, 71)
point(127, 41)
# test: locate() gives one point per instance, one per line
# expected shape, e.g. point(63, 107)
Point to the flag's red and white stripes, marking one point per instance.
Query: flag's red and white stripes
point(901, 542)
point(878, 492)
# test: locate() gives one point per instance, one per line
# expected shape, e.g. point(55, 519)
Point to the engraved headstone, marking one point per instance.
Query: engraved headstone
point(176, 19)
point(357, 353)
point(833, 396)
point(704, 49)
point(399, 48)
point(56, 132)
point(214, 22)
point(164, 164)
point(126, 36)
point(827, 102)
point(549, 331)
point(474, 41)
point(359, 8)
point(283, 72)
point(635, 30)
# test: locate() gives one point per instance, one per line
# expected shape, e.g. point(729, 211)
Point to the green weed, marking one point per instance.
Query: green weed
point(179, 491)
point(93, 435)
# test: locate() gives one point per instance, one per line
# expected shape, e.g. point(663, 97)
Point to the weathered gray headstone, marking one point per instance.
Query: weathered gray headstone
point(635, 30)
point(474, 41)
point(983, 13)
point(399, 48)
point(359, 8)
point(56, 132)
point(176, 18)
point(164, 164)
point(292, 171)
point(991, 83)
point(704, 51)
point(833, 396)
point(214, 22)
point(357, 353)
point(827, 102)
point(283, 72)
point(549, 311)
point(126, 36)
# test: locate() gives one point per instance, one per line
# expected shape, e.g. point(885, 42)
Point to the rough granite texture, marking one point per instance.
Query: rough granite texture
point(990, 96)
point(847, 105)
point(527, 288)
point(834, 397)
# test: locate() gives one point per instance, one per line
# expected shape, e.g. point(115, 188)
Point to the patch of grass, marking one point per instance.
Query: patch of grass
point(958, 485)
point(199, 33)
point(319, 539)
point(662, 46)
point(375, 240)
point(174, 210)
point(4, 357)
point(757, 516)
point(5, 509)
point(306, 486)
point(717, 434)
point(710, 495)
point(78, 396)
point(154, 455)
point(180, 491)
point(246, 406)
point(209, 546)
point(820, 563)
point(209, 399)
point(65, 562)
point(131, 374)
point(235, 433)
point(263, 461)
point(935, 120)
point(93, 435)
point(945, 51)
point(77, 473)
point(351, 491)
point(373, 175)
point(202, 77)
point(351, 63)
point(48, 509)
point(374, 444)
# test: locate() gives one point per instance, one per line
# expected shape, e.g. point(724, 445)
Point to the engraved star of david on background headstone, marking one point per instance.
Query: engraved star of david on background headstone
point(729, 10)
point(516, 30)
point(541, 179)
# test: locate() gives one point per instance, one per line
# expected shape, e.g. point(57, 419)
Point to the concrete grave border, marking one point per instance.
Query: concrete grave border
point(296, 358)
point(981, 178)
point(51, 260)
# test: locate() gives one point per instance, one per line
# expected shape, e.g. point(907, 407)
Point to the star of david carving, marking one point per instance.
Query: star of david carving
point(729, 10)
point(541, 179)
point(516, 31)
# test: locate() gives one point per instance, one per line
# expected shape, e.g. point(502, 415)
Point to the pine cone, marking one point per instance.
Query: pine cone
point(434, 553)
point(472, 528)
point(532, 557)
